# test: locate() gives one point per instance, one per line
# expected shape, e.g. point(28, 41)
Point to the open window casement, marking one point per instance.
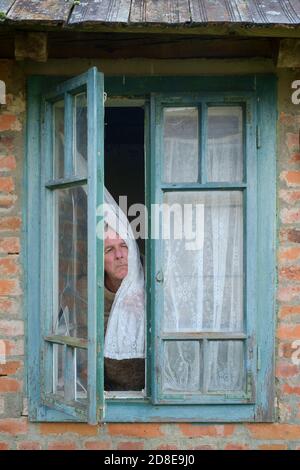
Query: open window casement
point(71, 252)
point(204, 321)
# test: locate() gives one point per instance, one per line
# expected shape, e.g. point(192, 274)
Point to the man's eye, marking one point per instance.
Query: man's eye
point(124, 246)
point(107, 250)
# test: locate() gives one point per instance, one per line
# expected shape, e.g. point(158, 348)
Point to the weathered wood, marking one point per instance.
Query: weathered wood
point(67, 341)
point(107, 11)
point(156, 11)
point(289, 53)
point(31, 46)
point(114, 46)
point(53, 11)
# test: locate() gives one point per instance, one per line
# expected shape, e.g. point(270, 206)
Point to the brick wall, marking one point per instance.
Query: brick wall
point(15, 430)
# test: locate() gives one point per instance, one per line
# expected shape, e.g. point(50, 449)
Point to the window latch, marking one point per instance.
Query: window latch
point(159, 276)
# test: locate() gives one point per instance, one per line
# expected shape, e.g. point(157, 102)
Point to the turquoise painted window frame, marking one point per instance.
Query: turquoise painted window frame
point(263, 92)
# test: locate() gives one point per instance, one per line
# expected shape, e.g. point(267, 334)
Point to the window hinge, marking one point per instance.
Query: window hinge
point(249, 385)
point(258, 137)
point(258, 364)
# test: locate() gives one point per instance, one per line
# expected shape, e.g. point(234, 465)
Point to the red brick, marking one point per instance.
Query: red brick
point(274, 431)
point(287, 370)
point(289, 311)
point(135, 430)
point(287, 294)
point(10, 245)
point(11, 327)
point(290, 272)
point(233, 446)
point(62, 445)
point(291, 178)
point(295, 158)
point(199, 430)
point(10, 287)
point(14, 426)
point(285, 350)
point(273, 447)
point(29, 445)
point(98, 445)
point(287, 390)
point(10, 223)
point(289, 254)
point(9, 266)
point(292, 139)
point(4, 446)
point(290, 216)
point(167, 447)
point(7, 202)
point(10, 368)
point(291, 235)
point(7, 163)
point(203, 447)
point(7, 144)
point(289, 196)
point(8, 385)
point(288, 332)
point(14, 348)
point(9, 122)
point(64, 428)
point(130, 446)
point(7, 184)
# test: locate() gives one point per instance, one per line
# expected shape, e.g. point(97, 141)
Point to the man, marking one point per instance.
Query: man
point(120, 374)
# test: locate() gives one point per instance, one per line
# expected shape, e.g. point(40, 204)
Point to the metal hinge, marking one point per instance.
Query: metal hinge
point(258, 137)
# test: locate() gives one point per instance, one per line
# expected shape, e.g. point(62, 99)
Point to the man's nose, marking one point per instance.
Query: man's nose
point(119, 253)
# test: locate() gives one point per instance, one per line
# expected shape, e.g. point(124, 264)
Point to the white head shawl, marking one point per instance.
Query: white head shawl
point(125, 333)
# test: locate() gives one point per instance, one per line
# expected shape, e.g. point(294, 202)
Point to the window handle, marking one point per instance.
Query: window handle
point(159, 276)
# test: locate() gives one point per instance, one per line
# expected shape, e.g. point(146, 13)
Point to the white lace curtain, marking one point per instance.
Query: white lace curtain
point(203, 288)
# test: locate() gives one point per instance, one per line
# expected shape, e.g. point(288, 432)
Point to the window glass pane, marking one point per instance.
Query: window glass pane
point(81, 374)
point(226, 369)
point(225, 143)
point(181, 366)
point(70, 293)
point(80, 135)
point(58, 138)
point(180, 145)
point(203, 261)
point(58, 369)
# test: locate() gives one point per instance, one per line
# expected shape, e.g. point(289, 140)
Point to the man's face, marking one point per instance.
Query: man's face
point(115, 256)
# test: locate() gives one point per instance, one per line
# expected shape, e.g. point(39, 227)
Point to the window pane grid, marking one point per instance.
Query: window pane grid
point(204, 380)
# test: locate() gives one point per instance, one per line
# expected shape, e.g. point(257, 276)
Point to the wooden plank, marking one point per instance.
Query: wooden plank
point(294, 7)
point(289, 54)
point(30, 11)
point(32, 46)
point(273, 11)
point(205, 11)
point(106, 11)
point(165, 11)
point(67, 340)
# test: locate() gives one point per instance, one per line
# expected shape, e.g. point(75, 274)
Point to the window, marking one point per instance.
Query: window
point(209, 159)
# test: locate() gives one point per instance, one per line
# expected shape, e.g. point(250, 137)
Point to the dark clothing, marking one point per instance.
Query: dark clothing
point(124, 374)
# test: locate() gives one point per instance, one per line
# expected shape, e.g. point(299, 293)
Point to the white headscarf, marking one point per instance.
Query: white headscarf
point(125, 333)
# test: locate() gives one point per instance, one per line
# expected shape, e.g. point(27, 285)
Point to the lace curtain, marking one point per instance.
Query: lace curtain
point(203, 288)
